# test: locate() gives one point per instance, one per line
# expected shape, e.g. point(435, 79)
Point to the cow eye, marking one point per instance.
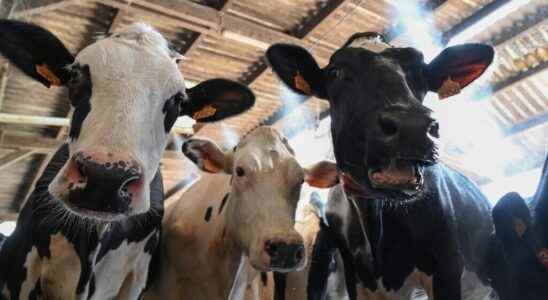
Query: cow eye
point(240, 171)
point(337, 73)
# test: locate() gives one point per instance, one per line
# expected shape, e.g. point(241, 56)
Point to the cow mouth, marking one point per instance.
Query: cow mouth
point(399, 174)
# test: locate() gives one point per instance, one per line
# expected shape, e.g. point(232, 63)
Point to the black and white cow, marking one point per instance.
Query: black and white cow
point(90, 226)
point(519, 254)
point(398, 214)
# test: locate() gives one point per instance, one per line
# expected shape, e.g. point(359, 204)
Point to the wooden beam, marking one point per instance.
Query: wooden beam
point(48, 145)
point(6, 8)
point(6, 118)
point(33, 120)
point(209, 21)
point(474, 18)
point(303, 31)
point(8, 216)
point(31, 8)
point(10, 159)
point(117, 20)
point(4, 73)
point(194, 47)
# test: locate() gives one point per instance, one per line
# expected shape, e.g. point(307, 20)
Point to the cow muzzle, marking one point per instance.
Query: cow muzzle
point(283, 255)
point(100, 185)
point(403, 144)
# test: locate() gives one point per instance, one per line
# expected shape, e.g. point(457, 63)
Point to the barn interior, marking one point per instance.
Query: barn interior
point(496, 133)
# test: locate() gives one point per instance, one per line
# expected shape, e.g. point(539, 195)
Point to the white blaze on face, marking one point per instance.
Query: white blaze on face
point(133, 73)
point(373, 44)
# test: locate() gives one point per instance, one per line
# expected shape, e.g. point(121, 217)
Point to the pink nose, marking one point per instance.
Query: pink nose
point(103, 183)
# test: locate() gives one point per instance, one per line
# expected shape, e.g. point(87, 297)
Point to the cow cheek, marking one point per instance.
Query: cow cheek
point(258, 258)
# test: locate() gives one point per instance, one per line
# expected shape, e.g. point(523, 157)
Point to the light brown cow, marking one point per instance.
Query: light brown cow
point(223, 220)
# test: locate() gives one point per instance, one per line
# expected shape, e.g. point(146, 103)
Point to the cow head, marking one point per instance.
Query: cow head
point(127, 92)
point(265, 187)
point(382, 134)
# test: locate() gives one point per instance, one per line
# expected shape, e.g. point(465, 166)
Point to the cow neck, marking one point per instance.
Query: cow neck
point(225, 240)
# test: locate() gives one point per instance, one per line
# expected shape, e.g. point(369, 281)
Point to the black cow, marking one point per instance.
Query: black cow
point(90, 227)
point(398, 214)
point(519, 253)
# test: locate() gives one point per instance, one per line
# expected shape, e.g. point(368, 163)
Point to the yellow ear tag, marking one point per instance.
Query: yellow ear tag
point(301, 84)
point(206, 111)
point(448, 89)
point(48, 75)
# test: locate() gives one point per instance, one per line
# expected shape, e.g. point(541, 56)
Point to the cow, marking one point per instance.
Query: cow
point(397, 212)
point(242, 213)
point(93, 221)
point(519, 252)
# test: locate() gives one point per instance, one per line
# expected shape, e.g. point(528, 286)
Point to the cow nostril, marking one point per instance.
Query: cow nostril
point(299, 254)
point(434, 129)
point(81, 168)
point(128, 186)
point(271, 248)
point(388, 126)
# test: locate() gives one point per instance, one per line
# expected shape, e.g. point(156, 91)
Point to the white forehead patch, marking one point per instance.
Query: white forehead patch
point(373, 44)
point(145, 35)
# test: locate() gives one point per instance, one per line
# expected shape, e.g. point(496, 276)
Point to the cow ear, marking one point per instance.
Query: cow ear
point(217, 99)
point(511, 218)
point(207, 156)
point(296, 67)
point(322, 175)
point(458, 66)
point(35, 51)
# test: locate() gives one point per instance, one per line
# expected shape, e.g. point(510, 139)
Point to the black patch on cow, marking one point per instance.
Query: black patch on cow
point(151, 244)
point(322, 253)
point(280, 284)
point(80, 90)
point(140, 226)
point(37, 223)
point(172, 110)
point(223, 202)
point(264, 278)
point(208, 213)
point(91, 287)
point(2, 238)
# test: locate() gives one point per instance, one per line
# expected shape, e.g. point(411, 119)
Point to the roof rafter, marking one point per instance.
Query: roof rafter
point(11, 158)
point(49, 145)
point(26, 9)
point(209, 21)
